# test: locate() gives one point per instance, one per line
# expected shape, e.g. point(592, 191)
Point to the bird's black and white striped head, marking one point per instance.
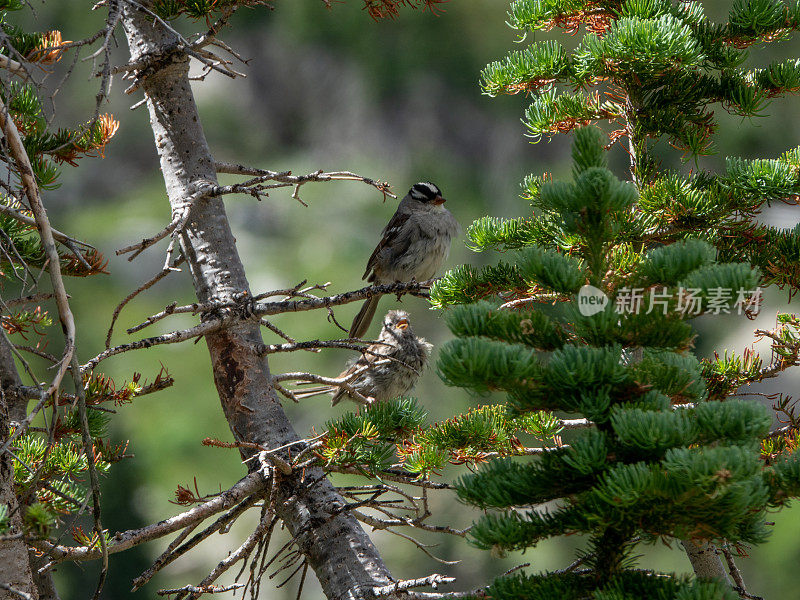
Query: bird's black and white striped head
point(426, 192)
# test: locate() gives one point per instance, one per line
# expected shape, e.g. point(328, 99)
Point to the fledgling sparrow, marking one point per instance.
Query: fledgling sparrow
point(393, 364)
point(413, 245)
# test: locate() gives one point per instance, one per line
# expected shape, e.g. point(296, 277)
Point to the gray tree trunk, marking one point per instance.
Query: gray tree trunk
point(15, 570)
point(336, 547)
point(706, 563)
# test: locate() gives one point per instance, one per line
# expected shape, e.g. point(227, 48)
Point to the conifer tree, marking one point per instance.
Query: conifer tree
point(663, 461)
point(678, 244)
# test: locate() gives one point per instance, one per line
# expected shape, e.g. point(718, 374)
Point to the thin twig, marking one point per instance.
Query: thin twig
point(396, 476)
point(147, 285)
point(345, 344)
point(208, 589)
point(280, 333)
point(184, 45)
point(736, 574)
point(286, 179)
point(57, 235)
point(179, 218)
point(91, 461)
point(397, 521)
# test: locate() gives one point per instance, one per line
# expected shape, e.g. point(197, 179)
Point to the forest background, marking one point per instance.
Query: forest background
point(333, 89)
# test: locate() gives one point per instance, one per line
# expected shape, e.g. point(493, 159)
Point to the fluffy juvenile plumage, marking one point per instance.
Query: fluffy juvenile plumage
point(393, 364)
point(413, 245)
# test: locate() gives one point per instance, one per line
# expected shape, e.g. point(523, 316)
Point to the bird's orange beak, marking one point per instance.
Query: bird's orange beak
point(402, 324)
point(438, 200)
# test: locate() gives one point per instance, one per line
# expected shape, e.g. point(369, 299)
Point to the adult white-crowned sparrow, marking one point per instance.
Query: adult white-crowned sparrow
point(413, 246)
point(388, 368)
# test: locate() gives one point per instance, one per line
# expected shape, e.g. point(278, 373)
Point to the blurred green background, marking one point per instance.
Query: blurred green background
point(331, 89)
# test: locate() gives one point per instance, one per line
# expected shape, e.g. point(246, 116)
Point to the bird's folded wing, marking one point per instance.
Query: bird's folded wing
point(388, 238)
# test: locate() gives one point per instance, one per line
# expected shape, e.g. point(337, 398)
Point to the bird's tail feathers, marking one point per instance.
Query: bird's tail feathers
point(364, 317)
point(338, 396)
point(317, 391)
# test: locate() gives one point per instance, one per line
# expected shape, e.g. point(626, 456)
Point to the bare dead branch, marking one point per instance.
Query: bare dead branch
point(243, 551)
point(210, 36)
point(418, 544)
point(280, 464)
point(277, 331)
point(207, 58)
point(736, 575)
point(37, 352)
point(433, 581)
point(215, 63)
point(176, 549)
point(66, 318)
point(209, 589)
point(399, 521)
point(539, 298)
point(476, 593)
point(91, 460)
point(113, 19)
point(344, 344)
point(243, 303)
point(414, 288)
point(163, 557)
point(168, 338)
point(785, 352)
point(286, 393)
point(177, 221)
point(252, 483)
point(255, 187)
point(262, 309)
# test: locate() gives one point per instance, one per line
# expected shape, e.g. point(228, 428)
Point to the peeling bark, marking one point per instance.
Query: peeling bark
point(338, 550)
